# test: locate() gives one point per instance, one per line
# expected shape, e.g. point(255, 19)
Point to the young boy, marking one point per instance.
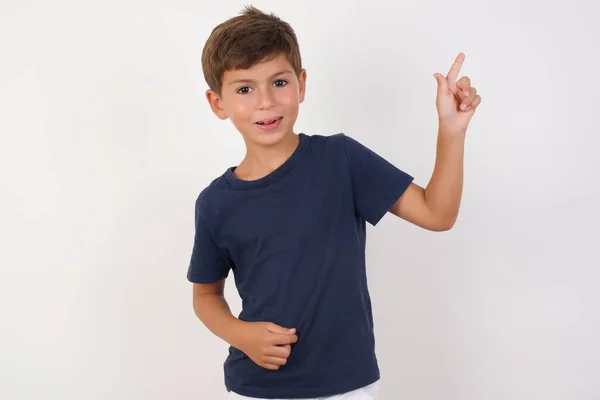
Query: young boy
point(289, 221)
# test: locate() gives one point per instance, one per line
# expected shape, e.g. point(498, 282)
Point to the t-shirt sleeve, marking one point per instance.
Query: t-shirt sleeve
point(209, 263)
point(376, 183)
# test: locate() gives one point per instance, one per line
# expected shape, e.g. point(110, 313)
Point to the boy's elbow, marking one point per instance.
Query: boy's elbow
point(443, 224)
point(444, 228)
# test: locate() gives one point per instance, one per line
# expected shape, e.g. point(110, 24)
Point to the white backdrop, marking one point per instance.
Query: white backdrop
point(106, 140)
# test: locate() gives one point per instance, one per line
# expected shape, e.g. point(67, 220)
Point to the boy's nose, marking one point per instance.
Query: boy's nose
point(266, 99)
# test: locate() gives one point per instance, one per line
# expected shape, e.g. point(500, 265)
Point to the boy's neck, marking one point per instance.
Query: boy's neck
point(261, 161)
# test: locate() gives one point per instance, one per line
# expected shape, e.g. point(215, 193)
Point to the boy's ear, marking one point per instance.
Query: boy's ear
point(302, 81)
point(215, 104)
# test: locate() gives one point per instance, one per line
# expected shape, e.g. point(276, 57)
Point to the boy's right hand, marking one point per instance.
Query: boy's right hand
point(266, 343)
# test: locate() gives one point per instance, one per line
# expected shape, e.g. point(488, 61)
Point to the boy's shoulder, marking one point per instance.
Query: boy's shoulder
point(324, 146)
point(322, 139)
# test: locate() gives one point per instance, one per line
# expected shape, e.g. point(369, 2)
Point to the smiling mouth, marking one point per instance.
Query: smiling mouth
point(269, 121)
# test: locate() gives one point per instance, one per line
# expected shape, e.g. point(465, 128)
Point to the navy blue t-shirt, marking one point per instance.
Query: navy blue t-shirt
point(295, 243)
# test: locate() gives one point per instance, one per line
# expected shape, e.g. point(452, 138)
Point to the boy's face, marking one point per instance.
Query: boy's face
point(262, 101)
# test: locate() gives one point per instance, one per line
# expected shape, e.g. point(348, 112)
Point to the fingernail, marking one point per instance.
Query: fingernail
point(463, 107)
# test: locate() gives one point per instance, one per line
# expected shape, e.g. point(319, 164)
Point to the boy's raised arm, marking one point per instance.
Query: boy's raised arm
point(436, 206)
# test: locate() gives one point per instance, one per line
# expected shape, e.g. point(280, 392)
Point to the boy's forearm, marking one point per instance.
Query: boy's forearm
point(444, 190)
point(214, 312)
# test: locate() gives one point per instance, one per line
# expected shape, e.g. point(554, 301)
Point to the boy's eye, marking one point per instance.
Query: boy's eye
point(246, 89)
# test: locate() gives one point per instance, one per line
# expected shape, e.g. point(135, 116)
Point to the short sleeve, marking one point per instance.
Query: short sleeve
point(377, 184)
point(208, 263)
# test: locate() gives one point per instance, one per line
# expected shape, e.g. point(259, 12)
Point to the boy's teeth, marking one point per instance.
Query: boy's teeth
point(268, 122)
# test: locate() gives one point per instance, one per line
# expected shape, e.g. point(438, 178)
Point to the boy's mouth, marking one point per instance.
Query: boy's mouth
point(270, 121)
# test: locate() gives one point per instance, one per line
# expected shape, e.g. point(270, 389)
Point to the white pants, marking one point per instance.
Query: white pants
point(370, 392)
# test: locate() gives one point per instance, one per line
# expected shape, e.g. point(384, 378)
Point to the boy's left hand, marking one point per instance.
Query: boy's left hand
point(456, 100)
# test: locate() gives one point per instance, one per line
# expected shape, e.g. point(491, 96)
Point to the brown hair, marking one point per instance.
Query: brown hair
point(246, 40)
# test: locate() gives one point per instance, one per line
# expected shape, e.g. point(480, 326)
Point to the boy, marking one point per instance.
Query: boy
point(289, 221)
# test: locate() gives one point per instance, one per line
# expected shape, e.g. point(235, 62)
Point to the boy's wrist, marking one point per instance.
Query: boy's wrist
point(447, 130)
point(232, 330)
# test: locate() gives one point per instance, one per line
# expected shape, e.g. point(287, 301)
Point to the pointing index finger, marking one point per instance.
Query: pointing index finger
point(455, 69)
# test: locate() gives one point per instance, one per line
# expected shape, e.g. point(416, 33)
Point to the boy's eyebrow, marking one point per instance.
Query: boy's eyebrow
point(237, 81)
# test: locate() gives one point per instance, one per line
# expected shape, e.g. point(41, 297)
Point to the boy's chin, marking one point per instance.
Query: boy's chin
point(267, 139)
